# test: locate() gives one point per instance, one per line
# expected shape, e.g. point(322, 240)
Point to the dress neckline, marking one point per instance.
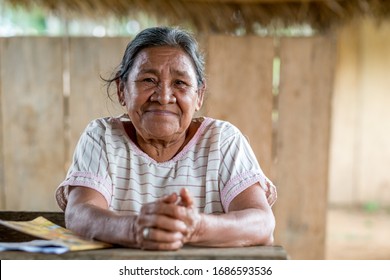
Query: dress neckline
point(204, 122)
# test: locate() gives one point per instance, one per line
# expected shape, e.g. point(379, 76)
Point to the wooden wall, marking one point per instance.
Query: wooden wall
point(90, 58)
point(240, 90)
point(360, 142)
point(303, 144)
point(53, 90)
point(32, 121)
point(41, 120)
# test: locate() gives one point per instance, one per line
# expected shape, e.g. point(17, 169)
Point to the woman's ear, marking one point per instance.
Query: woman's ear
point(201, 92)
point(120, 91)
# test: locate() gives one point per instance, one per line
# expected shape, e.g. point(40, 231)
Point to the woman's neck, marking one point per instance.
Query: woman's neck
point(161, 150)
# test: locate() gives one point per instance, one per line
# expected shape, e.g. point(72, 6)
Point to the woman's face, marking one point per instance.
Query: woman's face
point(161, 93)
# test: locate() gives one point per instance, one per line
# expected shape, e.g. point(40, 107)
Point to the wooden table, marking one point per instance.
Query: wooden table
point(119, 253)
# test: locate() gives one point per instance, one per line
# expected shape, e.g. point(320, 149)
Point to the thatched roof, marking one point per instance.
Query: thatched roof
point(223, 15)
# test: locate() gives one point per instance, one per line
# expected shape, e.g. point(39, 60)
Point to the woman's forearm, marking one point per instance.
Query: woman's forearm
point(96, 223)
point(235, 229)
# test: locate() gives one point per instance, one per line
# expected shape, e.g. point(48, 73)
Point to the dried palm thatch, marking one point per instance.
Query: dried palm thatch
point(222, 15)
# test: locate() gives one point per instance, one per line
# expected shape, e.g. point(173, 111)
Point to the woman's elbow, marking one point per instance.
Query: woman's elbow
point(70, 218)
point(269, 240)
point(267, 236)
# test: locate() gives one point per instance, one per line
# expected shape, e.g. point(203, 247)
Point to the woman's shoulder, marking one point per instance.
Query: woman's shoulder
point(219, 126)
point(104, 124)
point(217, 131)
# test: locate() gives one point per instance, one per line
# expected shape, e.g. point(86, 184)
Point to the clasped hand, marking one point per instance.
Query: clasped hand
point(168, 223)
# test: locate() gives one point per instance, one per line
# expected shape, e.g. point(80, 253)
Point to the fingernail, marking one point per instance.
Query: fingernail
point(183, 226)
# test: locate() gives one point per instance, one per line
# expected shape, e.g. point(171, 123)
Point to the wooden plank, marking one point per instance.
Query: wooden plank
point(91, 58)
point(302, 145)
point(374, 130)
point(360, 149)
point(260, 1)
point(32, 107)
point(344, 144)
point(2, 188)
point(240, 88)
point(185, 253)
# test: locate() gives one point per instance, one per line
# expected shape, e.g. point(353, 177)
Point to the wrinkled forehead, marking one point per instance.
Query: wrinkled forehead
point(164, 58)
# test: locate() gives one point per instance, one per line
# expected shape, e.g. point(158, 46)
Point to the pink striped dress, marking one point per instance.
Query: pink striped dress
point(215, 166)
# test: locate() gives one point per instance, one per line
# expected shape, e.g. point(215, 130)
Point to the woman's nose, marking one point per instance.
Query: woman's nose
point(163, 94)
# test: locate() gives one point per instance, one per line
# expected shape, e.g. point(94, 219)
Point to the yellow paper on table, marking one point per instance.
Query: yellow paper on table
point(43, 228)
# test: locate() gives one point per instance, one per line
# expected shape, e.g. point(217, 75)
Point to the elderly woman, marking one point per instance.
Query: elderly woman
point(157, 177)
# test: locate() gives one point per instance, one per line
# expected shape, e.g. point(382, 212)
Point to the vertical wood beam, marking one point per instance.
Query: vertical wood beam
point(303, 144)
point(240, 88)
point(90, 59)
point(32, 113)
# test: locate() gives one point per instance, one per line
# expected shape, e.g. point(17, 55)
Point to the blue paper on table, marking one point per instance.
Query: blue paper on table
point(35, 246)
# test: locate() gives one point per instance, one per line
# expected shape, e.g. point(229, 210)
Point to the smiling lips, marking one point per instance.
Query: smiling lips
point(160, 112)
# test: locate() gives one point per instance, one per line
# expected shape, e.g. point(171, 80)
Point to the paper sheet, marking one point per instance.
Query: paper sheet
point(57, 239)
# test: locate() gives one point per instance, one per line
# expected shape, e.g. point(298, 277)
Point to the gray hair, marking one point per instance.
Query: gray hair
point(160, 36)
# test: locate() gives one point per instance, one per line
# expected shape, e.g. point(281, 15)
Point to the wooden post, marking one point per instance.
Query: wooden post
point(303, 144)
point(32, 115)
point(240, 88)
point(2, 187)
point(90, 59)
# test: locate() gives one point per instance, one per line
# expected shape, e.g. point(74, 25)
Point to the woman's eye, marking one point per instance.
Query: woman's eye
point(149, 80)
point(146, 83)
point(180, 84)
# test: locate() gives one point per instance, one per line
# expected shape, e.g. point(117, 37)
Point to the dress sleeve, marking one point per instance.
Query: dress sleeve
point(240, 169)
point(88, 169)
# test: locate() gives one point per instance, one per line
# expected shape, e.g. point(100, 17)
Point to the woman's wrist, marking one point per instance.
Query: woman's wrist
point(198, 230)
point(133, 233)
point(124, 231)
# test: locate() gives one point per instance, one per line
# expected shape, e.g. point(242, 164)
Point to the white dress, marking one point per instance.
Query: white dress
point(215, 166)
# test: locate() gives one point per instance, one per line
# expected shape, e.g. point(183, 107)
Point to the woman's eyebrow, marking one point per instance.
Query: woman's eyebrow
point(175, 72)
point(149, 71)
point(180, 73)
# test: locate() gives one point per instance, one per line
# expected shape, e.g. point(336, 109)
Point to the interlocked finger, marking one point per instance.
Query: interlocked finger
point(146, 233)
